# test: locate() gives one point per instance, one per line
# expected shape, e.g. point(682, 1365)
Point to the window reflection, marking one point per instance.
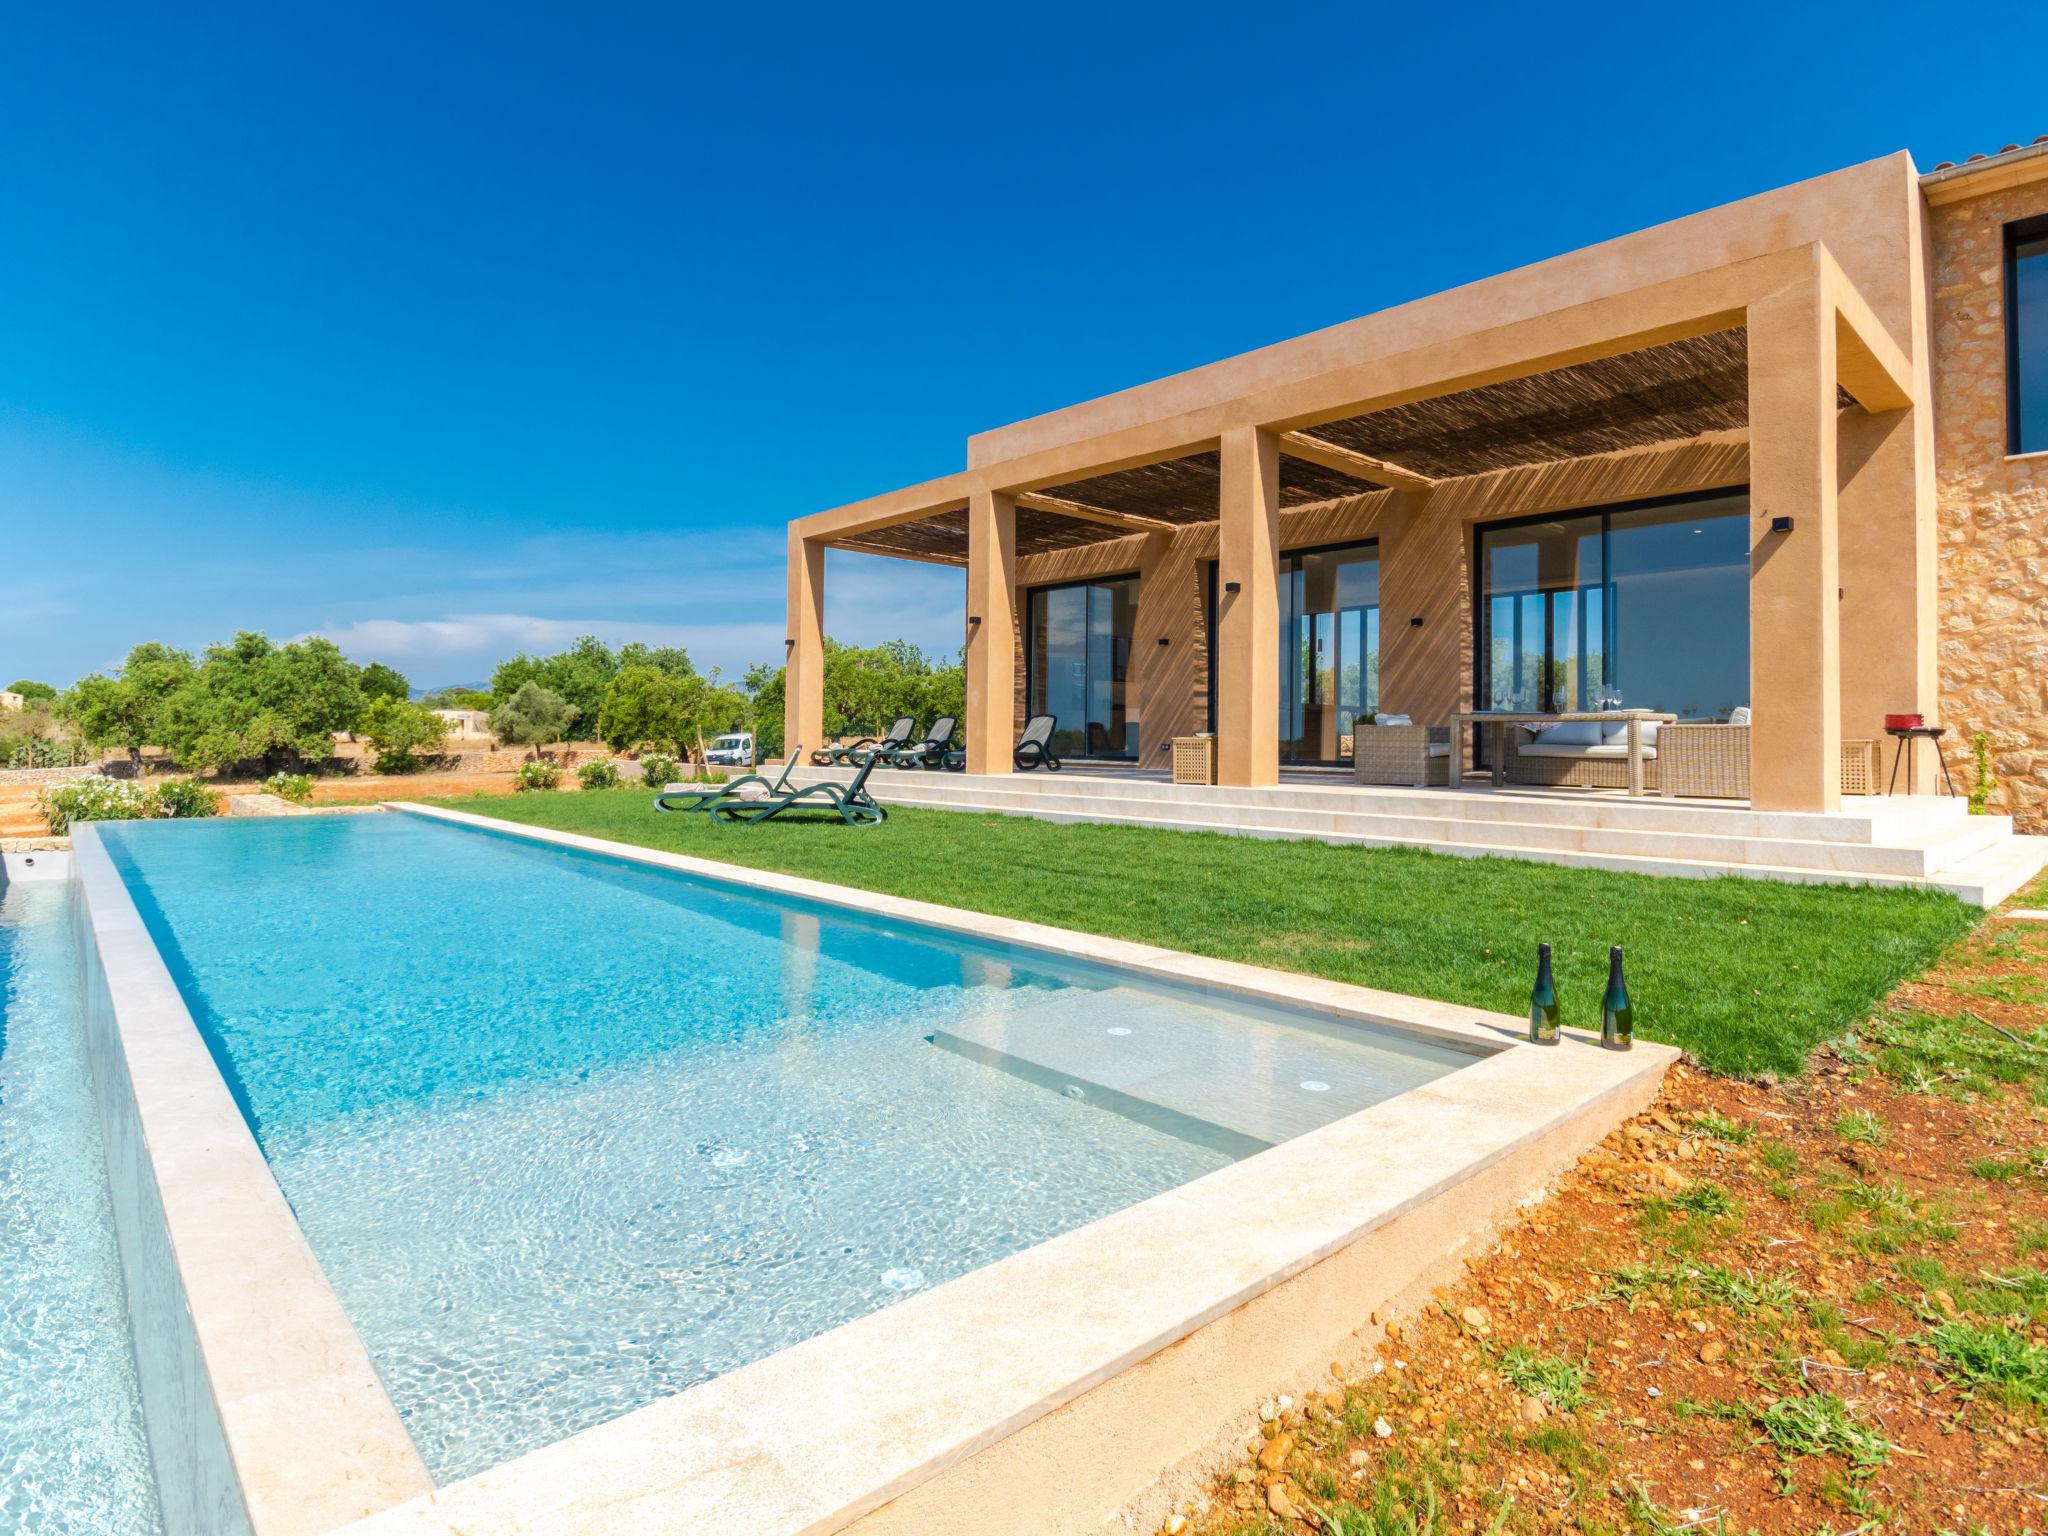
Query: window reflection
point(1079, 666)
point(1638, 608)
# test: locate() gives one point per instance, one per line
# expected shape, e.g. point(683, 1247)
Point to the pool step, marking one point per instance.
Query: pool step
point(1225, 1079)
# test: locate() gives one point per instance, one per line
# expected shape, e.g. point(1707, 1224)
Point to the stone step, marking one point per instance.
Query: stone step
point(1989, 876)
point(1967, 886)
point(1890, 820)
point(1917, 856)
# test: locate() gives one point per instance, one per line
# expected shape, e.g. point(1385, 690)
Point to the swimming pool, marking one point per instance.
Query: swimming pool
point(73, 1460)
point(569, 1134)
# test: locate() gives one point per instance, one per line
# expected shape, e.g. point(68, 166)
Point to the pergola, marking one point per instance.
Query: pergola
point(1726, 348)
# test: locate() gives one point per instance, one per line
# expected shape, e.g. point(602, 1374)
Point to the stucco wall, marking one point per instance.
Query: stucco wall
point(1993, 513)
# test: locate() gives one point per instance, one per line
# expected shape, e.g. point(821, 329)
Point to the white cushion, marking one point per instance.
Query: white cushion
point(1739, 715)
point(1393, 720)
point(1617, 750)
point(1572, 733)
point(1439, 749)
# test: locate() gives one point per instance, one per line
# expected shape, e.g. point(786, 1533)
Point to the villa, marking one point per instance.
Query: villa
point(1774, 474)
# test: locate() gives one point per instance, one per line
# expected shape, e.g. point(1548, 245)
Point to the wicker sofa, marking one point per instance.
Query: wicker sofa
point(1599, 762)
point(1418, 755)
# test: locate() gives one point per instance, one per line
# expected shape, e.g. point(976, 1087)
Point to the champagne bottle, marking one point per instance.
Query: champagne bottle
point(1617, 1018)
point(1543, 1011)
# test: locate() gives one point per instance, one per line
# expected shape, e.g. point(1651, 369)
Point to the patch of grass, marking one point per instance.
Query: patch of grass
point(1858, 1349)
point(1998, 1169)
point(1779, 1157)
point(1564, 1384)
point(1718, 1127)
point(1705, 1199)
point(1960, 1056)
point(1819, 1424)
point(1746, 975)
point(1860, 1125)
point(1713, 1284)
point(1882, 1218)
point(2033, 1239)
point(1995, 1359)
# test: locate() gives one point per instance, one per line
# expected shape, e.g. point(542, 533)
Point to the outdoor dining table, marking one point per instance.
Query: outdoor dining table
point(1501, 719)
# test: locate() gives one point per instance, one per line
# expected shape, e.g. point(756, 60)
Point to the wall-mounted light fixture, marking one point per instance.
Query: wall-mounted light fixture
point(1416, 622)
point(974, 618)
point(1164, 641)
point(1230, 586)
point(1781, 525)
point(789, 645)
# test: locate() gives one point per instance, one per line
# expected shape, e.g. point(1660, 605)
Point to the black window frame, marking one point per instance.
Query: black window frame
point(1603, 510)
point(1031, 659)
point(2018, 233)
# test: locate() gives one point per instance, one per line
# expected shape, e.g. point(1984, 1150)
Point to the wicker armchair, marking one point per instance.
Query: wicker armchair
point(1401, 754)
point(1704, 761)
point(1712, 762)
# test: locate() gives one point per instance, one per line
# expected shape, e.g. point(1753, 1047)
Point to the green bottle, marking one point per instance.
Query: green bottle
point(1617, 1019)
point(1543, 1009)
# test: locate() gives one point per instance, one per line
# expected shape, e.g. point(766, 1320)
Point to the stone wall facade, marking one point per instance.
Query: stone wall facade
point(1993, 514)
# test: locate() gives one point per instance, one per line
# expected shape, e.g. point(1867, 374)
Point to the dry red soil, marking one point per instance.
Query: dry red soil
point(1810, 1306)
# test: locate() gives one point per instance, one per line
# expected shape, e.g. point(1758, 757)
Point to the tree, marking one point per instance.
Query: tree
point(532, 717)
point(667, 658)
point(400, 730)
point(31, 690)
point(250, 699)
point(129, 710)
point(579, 675)
point(647, 706)
point(381, 682)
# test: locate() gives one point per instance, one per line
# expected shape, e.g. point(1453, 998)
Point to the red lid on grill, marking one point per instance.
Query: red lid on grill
point(1904, 722)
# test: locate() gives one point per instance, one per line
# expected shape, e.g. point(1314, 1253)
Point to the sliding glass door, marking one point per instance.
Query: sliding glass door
point(1329, 649)
point(1077, 667)
point(1642, 607)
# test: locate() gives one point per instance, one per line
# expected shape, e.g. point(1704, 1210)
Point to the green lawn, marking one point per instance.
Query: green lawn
point(1746, 975)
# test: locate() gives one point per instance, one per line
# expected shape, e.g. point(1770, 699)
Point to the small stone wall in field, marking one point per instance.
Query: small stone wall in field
point(47, 775)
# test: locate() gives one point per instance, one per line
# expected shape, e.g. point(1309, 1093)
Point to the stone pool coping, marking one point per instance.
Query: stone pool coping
point(952, 1408)
point(263, 1410)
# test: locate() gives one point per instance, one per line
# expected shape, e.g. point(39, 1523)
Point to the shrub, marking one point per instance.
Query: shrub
point(532, 716)
point(601, 775)
point(400, 730)
point(539, 773)
point(660, 768)
point(180, 799)
point(1983, 783)
point(97, 798)
point(295, 787)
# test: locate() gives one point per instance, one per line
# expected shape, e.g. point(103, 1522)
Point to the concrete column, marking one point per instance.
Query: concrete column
point(992, 643)
point(803, 702)
point(1794, 609)
point(1888, 580)
point(1248, 619)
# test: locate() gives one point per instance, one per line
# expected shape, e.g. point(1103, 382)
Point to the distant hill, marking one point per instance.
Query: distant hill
point(423, 693)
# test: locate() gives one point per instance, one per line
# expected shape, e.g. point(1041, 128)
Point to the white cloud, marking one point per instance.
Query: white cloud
point(464, 647)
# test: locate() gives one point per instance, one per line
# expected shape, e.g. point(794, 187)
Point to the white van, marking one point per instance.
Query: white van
point(735, 749)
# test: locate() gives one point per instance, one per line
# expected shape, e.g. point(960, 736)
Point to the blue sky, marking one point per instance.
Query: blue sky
point(453, 331)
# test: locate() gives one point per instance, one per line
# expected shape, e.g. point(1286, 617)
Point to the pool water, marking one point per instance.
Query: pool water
point(570, 1134)
point(73, 1460)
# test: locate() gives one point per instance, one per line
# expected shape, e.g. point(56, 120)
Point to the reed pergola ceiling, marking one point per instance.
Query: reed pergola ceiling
point(943, 536)
point(1678, 390)
point(1659, 394)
